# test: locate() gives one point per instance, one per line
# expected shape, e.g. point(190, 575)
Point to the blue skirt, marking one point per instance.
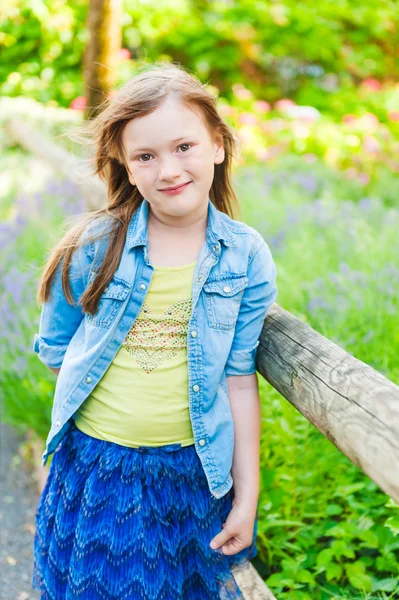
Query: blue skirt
point(120, 523)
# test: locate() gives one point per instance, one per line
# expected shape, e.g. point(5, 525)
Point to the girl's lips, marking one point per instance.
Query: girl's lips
point(176, 190)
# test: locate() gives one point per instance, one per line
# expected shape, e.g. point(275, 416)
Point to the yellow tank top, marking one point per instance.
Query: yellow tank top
point(142, 399)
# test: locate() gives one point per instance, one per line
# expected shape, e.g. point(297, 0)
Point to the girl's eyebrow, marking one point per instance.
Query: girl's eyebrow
point(172, 142)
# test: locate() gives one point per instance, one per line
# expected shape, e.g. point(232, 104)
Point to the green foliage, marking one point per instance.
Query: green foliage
point(42, 45)
point(316, 55)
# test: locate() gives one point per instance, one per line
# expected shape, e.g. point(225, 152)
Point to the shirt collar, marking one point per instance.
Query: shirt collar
point(137, 233)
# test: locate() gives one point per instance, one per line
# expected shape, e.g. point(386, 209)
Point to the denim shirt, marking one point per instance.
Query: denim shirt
point(233, 286)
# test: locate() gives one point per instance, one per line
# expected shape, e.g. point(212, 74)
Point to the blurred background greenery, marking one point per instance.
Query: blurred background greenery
point(312, 94)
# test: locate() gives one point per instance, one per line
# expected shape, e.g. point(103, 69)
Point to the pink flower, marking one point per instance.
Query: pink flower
point(371, 145)
point(262, 154)
point(241, 92)
point(283, 104)
point(78, 103)
point(371, 84)
point(370, 119)
point(247, 118)
point(309, 157)
point(124, 54)
point(348, 118)
point(351, 173)
point(393, 115)
point(226, 110)
point(262, 106)
point(363, 178)
point(307, 114)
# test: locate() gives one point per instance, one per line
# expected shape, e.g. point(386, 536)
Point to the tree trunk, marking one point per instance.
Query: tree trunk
point(101, 56)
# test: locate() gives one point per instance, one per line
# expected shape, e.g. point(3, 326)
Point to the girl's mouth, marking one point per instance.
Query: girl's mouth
point(177, 190)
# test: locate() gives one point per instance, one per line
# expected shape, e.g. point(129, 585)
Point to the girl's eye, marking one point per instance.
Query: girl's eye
point(141, 155)
point(138, 158)
point(181, 145)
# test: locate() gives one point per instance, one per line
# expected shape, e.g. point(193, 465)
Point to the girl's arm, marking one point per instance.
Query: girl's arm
point(242, 384)
point(245, 408)
point(56, 371)
point(242, 381)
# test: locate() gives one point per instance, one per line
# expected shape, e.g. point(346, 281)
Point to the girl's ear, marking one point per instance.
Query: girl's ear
point(219, 150)
point(130, 176)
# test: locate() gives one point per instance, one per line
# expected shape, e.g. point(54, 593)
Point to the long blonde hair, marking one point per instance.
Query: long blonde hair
point(139, 96)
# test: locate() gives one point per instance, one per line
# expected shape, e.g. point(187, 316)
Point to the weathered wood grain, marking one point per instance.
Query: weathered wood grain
point(251, 583)
point(353, 405)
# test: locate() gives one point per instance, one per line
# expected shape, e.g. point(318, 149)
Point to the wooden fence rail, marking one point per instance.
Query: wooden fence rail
point(349, 402)
point(354, 406)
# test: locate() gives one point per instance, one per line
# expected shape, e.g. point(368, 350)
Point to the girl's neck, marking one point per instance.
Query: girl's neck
point(195, 225)
point(171, 246)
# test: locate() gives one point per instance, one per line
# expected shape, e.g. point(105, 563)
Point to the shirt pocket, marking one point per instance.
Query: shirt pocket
point(110, 303)
point(222, 296)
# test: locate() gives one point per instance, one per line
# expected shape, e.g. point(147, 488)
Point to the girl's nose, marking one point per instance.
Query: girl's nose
point(169, 169)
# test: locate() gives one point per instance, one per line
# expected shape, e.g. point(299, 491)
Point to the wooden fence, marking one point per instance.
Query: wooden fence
point(349, 402)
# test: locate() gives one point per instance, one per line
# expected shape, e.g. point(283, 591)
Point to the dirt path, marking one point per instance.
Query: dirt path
point(18, 501)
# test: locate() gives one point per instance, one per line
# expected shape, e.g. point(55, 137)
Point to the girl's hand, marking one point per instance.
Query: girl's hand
point(237, 531)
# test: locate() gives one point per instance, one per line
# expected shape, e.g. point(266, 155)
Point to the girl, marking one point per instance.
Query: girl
point(152, 310)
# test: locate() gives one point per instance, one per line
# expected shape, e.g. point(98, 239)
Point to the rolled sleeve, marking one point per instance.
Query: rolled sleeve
point(259, 295)
point(51, 355)
point(59, 320)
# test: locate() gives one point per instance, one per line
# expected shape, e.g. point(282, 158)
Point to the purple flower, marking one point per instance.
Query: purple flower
point(307, 182)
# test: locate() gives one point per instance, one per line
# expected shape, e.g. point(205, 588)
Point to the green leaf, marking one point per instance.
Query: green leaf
point(386, 585)
point(279, 579)
point(305, 576)
point(369, 537)
point(340, 548)
point(393, 524)
point(361, 582)
point(325, 557)
point(333, 571)
point(334, 509)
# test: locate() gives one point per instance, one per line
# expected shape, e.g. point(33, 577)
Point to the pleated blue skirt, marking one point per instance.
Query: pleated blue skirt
point(120, 523)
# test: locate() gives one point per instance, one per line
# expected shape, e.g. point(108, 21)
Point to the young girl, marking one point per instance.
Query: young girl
point(152, 310)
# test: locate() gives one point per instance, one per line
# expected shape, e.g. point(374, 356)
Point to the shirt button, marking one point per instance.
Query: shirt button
point(142, 286)
point(57, 424)
point(88, 379)
point(193, 333)
point(202, 442)
point(216, 248)
point(226, 288)
point(195, 388)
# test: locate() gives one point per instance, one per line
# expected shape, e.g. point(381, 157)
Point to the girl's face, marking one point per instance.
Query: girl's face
point(169, 147)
